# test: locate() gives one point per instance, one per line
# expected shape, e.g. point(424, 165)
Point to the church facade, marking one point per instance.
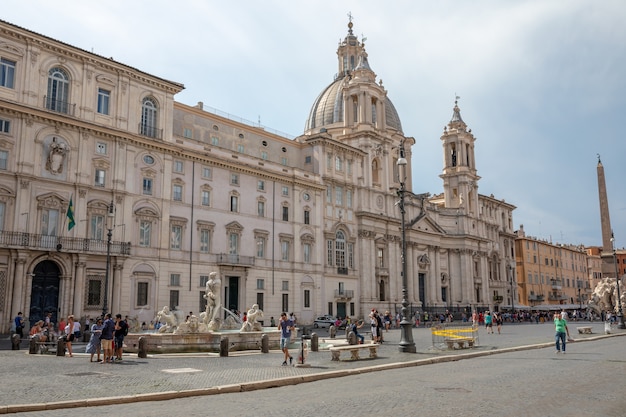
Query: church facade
point(113, 196)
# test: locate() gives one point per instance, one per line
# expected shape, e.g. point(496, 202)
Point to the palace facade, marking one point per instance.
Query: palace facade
point(113, 196)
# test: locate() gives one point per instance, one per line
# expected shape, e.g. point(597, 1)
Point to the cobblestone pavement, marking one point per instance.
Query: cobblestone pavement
point(47, 381)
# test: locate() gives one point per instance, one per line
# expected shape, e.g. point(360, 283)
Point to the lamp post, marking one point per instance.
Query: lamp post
point(406, 332)
point(511, 274)
point(110, 215)
point(620, 315)
point(580, 300)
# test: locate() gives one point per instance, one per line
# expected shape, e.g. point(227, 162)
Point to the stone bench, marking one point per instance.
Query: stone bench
point(354, 351)
point(460, 342)
point(584, 330)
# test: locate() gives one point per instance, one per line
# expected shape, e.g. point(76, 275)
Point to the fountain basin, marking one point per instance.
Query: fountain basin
point(202, 342)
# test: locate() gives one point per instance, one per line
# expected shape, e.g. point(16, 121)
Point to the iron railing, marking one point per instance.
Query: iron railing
point(234, 259)
point(61, 243)
point(59, 106)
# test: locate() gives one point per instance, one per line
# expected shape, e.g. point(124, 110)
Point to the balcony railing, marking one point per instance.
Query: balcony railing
point(150, 131)
point(60, 243)
point(535, 297)
point(498, 298)
point(59, 106)
point(557, 296)
point(344, 294)
point(234, 259)
point(342, 271)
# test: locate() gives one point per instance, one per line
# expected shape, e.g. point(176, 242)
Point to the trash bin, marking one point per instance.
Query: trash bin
point(607, 327)
point(303, 350)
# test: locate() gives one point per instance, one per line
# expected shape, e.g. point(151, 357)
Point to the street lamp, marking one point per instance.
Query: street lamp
point(406, 334)
point(620, 315)
point(110, 215)
point(580, 300)
point(511, 274)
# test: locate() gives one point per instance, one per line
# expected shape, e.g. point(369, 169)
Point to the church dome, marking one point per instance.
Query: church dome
point(328, 109)
point(354, 77)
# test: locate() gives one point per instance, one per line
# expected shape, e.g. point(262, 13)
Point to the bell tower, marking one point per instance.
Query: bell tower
point(460, 180)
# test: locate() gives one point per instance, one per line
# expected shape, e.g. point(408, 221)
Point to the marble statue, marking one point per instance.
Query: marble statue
point(191, 325)
point(604, 297)
point(169, 320)
point(252, 324)
point(214, 302)
point(56, 156)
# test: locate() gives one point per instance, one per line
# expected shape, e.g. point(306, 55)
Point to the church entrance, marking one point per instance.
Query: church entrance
point(44, 296)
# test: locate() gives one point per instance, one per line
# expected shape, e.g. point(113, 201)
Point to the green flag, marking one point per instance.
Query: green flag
point(70, 216)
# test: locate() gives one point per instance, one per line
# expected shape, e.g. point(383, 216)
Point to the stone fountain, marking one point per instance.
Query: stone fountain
point(206, 333)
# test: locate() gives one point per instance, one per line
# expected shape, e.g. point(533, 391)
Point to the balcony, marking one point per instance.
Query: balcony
point(556, 284)
point(59, 106)
point(498, 298)
point(342, 271)
point(557, 296)
point(19, 240)
point(344, 294)
point(150, 131)
point(382, 271)
point(536, 297)
point(233, 259)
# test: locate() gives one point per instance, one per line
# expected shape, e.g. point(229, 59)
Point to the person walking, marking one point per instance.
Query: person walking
point(285, 326)
point(499, 320)
point(69, 334)
point(93, 346)
point(562, 332)
point(489, 322)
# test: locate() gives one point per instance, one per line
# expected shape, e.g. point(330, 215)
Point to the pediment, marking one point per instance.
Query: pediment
point(425, 223)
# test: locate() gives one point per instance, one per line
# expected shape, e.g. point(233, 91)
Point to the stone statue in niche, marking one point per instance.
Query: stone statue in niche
point(56, 156)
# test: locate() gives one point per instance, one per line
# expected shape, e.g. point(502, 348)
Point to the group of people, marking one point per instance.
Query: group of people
point(107, 335)
point(107, 338)
point(491, 319)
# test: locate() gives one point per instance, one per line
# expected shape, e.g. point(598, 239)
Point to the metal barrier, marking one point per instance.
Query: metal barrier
point(451, 337)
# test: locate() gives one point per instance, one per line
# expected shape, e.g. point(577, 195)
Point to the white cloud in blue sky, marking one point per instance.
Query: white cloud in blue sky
point(542, 83)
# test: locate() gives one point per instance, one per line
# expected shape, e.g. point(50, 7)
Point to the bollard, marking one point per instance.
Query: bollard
point(15, 341)
point(32, 346)
point(303, 351)
point(314, 342)
point(224, 347)
point(142, 348)
point(61, 346)
point(351, 338)
point(265, 343)
point(332, 330)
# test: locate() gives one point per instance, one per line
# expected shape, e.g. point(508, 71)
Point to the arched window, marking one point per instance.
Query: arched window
point(340, 249)
point(149, 111)
point(57, 98)
point(340, 252)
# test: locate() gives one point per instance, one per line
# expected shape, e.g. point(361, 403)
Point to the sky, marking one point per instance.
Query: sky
point(541, 83)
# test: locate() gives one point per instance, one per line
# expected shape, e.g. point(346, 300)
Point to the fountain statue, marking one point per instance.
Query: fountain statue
point(214, 303)
point(169, 320)
point(604, 297)
point(206, 331)
point(251, 324)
